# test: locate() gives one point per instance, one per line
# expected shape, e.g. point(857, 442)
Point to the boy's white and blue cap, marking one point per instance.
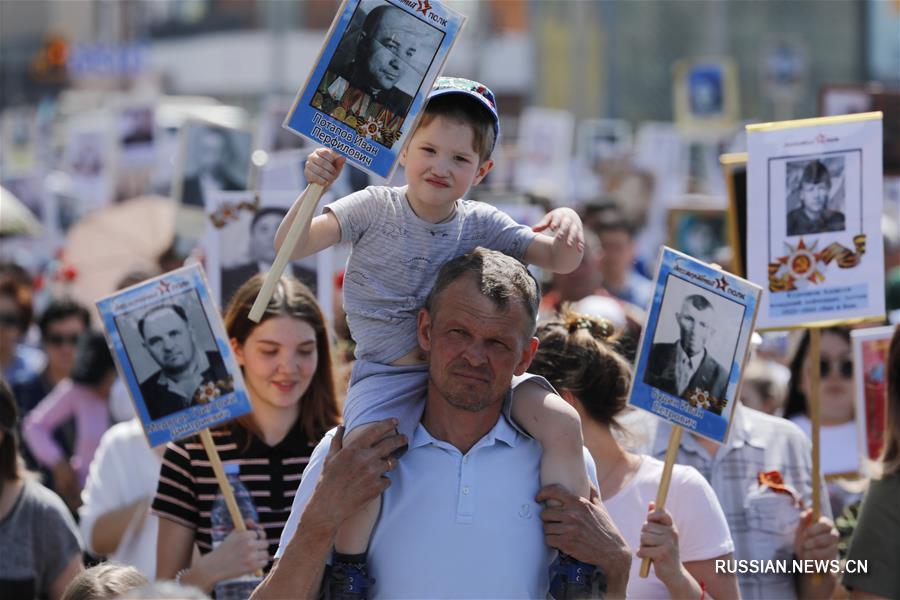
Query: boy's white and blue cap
point(473, 89)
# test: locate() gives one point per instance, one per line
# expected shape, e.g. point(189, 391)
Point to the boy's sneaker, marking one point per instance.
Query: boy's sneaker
point(348, 581)
point(572, 579)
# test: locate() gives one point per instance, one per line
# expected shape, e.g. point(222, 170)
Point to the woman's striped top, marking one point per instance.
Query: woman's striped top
point(187, 484)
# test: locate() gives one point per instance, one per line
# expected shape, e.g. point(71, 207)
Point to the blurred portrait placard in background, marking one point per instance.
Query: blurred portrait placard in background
point(212, 159)
point(89, 160)
point(239, 243)
point(706, 98)
point(870, 349)
point(700, 232)
point(174, 355)
point(367, 89)
point(814, 205)
point(692, 352)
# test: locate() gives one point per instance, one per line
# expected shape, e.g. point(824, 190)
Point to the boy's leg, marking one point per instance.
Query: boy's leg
point(556, 425)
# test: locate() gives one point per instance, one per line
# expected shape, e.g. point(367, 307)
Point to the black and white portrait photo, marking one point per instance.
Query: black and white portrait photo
point(172, 350)
point(260, 237)
point(694, 344)
point(377, 68)
point(213, 159)
point(815, 195)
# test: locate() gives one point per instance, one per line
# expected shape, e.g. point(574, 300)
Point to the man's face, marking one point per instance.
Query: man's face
point(393, 44)
point(696, 327)
point(168, 340)
point(262, 238)
point(475, 346)
point(814, 196)
point(212, 150)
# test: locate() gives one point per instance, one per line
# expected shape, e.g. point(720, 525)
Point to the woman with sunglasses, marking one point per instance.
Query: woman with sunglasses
point(836, 405)
point(876, 538)
point(84, 398)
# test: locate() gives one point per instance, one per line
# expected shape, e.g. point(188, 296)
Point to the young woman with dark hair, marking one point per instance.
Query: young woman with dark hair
point(286, 363)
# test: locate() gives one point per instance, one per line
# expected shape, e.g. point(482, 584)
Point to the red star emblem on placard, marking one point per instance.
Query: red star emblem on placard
point(164, 287)
point(722, 283)
point(424, 7)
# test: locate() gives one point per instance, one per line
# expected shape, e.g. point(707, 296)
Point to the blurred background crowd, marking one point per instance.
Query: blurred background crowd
point(98, 97)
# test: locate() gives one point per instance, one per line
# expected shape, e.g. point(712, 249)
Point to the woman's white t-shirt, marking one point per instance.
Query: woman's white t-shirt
point(702, 529)
point(839, 446)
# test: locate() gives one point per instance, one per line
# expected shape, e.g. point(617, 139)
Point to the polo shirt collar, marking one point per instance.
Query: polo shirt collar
point(502, 431)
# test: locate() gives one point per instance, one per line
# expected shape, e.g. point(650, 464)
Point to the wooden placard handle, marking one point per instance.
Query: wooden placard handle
point(227, 492)
point(663, 491)
point(813, 407)
point(311, 200)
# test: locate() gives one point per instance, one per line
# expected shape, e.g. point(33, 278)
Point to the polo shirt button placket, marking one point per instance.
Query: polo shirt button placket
point(465, 507)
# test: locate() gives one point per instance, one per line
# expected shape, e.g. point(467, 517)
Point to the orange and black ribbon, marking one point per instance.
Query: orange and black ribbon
point(844, 257)
point(229, 211)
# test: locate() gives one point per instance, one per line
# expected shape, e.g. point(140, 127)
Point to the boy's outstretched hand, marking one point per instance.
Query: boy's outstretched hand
point(323, 167)
point(565, 226)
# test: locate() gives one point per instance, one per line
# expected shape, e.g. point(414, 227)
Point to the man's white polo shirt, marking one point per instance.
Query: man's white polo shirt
point(454, 525)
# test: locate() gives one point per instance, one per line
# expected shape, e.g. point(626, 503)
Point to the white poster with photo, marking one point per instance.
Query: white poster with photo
point(19, 127)
point(89, 160)
point(212, 159)
point(544, 161)
point(814, 202)
point(240, 242)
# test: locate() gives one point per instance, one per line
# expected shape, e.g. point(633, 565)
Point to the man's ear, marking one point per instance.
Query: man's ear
point(528, 352)
point(483, 170)
point(238, 351)
point(423, 329)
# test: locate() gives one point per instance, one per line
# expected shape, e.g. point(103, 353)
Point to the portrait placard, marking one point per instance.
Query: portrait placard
point(706, 98)
point(870, 349)
point(544, 160)
point(692, 351)
point(700, 232)
point(814, 202)
point(735, 169)
point(173, 354)
point(19, 138)
point(211, 158)
point(239, 243)
point(369, 84)
point(89, 160)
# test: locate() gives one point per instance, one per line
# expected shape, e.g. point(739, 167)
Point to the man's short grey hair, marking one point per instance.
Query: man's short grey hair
point(498, 276)
point(699, 302)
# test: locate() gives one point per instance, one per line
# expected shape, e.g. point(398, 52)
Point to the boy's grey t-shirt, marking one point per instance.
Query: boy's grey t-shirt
point(396, 256)
point(38, 539)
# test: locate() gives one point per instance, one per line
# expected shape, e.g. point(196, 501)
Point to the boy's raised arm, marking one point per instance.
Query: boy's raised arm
point(562, 252)
point(322, 168)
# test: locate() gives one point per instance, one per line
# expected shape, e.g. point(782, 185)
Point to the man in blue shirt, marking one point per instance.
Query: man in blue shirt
point(461, 518)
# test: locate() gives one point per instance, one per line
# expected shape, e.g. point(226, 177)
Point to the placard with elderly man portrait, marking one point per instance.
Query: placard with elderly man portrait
point(693, 349)
point(368, 87)
point(174, 356)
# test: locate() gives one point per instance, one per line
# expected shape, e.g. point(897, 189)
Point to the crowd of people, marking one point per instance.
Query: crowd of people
point(484, 446)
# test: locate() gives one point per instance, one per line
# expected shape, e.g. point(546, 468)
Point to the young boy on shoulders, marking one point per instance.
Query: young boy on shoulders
point(400, 237)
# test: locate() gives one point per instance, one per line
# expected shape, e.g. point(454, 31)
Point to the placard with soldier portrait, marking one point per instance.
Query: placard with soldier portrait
point(369, 84)
point(174, 355)
point(814, 201)
point(693, 349)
